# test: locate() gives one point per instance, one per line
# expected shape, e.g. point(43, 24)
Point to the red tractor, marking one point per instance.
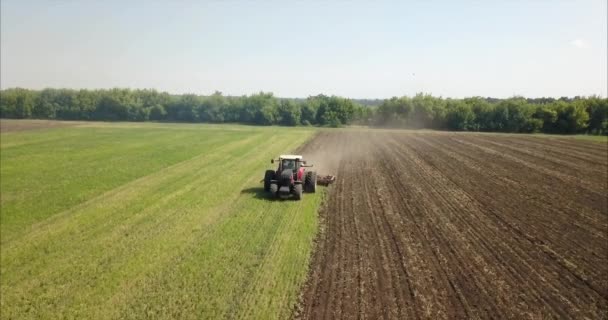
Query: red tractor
point(291, 178)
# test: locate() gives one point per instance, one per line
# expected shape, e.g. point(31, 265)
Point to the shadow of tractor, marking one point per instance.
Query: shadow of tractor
point(259, 193)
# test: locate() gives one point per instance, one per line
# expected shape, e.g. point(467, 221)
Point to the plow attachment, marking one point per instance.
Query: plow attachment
point(325, 180)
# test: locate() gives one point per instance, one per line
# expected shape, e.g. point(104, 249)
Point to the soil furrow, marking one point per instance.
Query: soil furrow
point(451, 226)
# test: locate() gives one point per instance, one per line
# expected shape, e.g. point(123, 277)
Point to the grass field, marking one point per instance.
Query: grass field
point(603, 139)
point(149, 220)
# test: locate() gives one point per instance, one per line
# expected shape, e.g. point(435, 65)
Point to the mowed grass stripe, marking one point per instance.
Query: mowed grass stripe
point(92, 235)
point(281, 266)
point(136, 193)
point(219, 264)
point(124, 206)
point(24, 138)
point(73, 170)
point(244, 243)
point(108, 258)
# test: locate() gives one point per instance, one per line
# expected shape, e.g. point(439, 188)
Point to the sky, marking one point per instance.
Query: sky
point(363, 49)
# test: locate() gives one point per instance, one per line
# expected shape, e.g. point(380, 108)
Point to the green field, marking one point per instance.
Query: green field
point(149, 220)
point(603, 139)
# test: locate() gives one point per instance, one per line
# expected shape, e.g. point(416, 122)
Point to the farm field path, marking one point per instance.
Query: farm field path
point(451, 225)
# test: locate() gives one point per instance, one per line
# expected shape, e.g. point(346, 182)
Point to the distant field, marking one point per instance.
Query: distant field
point(603, 139)
point(8, 125)
point(132, 220)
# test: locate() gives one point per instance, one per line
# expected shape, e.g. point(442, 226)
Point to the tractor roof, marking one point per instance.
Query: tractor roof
point(290, 157)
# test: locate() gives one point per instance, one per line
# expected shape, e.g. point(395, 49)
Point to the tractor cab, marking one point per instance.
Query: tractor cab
point(290, 162)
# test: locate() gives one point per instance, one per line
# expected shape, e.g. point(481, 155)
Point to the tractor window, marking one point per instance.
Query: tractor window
point(289, 164)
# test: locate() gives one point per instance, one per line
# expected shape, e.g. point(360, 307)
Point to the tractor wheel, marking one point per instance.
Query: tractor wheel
point(269, 175)
point(273, 188)
point(297, 191)
point(310, 182)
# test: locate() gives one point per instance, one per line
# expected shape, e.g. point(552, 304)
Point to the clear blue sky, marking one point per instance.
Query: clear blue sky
point(354, 49)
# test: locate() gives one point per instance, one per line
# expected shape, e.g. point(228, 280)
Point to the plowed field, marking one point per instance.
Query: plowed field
point(446, 225)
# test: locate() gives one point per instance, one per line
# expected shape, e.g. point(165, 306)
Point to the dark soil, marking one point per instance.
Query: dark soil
point(444, 225)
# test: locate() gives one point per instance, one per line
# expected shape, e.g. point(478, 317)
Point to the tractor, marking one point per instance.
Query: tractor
point(290, 178)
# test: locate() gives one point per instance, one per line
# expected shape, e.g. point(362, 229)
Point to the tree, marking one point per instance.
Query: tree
point(232, 111)
point(17, 103)
point(289, 113)
point(46, 105)
point(309, 112)
point(334, 111)
point(571, 117)
point(363, 114)
point(261, 109)
point(597, 108)
point(109, 108)
point(157, 113)
point(459, 116)
point(183, 108)
point(394, 112)
point(212, 108)
point(517, 114)
point(344, 108)
point(86, 103)
point(427, 112)
point(547, 117)
point(483, 112)
point(8, 103)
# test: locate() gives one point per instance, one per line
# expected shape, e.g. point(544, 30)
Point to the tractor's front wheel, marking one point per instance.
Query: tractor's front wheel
point(310, 182)
point(269, 175)
point(297, 191)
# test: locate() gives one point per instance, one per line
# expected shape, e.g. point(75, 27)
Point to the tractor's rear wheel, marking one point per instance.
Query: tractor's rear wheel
point(269, 175)
point(273, 188)
point(297, 191)
point(310, 182)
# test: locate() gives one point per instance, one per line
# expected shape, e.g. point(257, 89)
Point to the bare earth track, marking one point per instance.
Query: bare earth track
point(446, 225)
point(10, 125)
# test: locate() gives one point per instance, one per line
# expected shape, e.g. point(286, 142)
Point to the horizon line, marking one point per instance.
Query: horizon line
point(515, 95)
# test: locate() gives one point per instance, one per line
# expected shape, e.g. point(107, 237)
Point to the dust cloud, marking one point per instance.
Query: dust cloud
point(327, 151)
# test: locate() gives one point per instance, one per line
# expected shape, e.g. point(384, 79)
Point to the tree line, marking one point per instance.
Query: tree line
point(517, 114)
